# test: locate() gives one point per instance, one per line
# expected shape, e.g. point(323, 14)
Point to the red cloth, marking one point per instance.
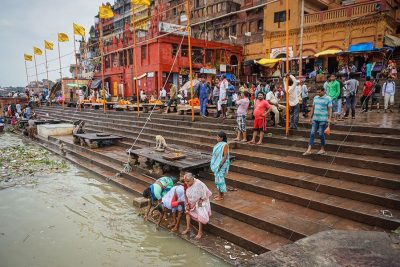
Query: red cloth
point(260, 124)
point(260, 107)
point(367, 88)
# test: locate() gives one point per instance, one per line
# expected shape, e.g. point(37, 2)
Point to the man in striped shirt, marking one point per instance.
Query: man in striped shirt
point(321, 114)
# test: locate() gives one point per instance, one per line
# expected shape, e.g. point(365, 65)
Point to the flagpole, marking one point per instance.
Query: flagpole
point(134, 60)
point(287, 68)
point(61, 84)
point(301, 38)
point(47, 74)
point(190, 55)
point(102, 63)
point(37, 80)
point(26, 71)
point(76, 72)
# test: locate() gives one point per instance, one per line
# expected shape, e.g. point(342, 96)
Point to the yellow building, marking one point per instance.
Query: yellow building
point(328, 24)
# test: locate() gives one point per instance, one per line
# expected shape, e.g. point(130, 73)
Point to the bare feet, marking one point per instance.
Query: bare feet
point(186, 231)
point(251, 142)
point(218, 198)
point(175, 229)
point(237, 140)
point(171, 225)
point(307, 153)
point(244, 140)
point(198, 236)
point(259, 143)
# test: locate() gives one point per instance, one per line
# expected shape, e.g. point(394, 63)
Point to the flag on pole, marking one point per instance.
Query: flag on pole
point(141, 2)
point(37, 51)
point(48, 45)
point(105, 12)
point(78, 29)
point(62, 37)
point(28, 57)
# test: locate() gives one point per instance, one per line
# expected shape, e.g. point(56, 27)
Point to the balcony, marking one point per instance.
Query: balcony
point(345, 13)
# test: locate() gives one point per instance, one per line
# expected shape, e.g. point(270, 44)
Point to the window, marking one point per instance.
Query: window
point(184, 51)
point(233, 30)
point(174, 11)
point(130, 56)
point(280, 16)
point(196, 3)
point(174, 50)
point(260, 25)
point(197, 55)
point(144, 52)
point(209, 57)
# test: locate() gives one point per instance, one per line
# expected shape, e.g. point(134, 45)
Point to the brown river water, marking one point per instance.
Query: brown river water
point(76, 219)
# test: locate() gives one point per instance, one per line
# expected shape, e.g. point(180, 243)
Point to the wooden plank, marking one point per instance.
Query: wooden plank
point(95, 137)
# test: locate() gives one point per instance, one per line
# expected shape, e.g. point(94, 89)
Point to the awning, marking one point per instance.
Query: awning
point(328, 52)
point(391, 41)
point(95, 84)
point(268, 62)
point(361, 47)
point(74, 85)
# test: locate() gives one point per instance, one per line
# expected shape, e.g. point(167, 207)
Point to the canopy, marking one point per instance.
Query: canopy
point(186, 86)
point(361, 47)
point(391, 41)
point(95, 84)
point(328, 52)
point(268, 62)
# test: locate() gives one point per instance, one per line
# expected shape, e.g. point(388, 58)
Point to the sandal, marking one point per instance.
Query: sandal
point(218, 198)
point(321, 153)
point(307, 153)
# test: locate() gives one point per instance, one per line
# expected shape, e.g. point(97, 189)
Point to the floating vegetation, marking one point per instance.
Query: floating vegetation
point(25, 160)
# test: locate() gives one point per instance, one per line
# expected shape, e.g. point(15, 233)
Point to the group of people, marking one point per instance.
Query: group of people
point(189, 196)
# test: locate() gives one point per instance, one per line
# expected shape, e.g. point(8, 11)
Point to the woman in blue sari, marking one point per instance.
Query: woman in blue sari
point(220, 163)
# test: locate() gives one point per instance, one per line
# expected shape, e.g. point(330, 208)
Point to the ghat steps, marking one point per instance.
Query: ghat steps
point(282, 196)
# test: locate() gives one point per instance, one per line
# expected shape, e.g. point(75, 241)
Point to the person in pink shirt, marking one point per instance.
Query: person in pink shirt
point(243, 105)
point(261, 110)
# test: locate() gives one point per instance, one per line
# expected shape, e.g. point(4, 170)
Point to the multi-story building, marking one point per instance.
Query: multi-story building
point(328, 25)
point(159, 59)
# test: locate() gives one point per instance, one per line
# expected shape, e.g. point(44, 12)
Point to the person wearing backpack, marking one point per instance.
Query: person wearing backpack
point(350, 92)
point(388, 91)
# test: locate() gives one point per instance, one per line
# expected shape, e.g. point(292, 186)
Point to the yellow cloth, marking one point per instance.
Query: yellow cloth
point(48, 45)
point(27, 57)
point(328, 52)
point(268, 62)
point(78, 29)
point(37, 51)
point(105, 12)
point(141, 2)
point(63, 37)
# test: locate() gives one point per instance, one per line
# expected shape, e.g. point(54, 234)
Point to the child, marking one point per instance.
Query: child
point(243, 105)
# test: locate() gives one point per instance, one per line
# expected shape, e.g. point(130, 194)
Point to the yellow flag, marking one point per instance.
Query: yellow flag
point(62, 37)
point(37, 51)
point(78, 29)
point(48, 45)
point(141, 2)
point(105, 12)
point(27, 57)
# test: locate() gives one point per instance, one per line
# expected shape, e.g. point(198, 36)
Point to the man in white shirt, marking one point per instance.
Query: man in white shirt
point(304, 97)
point(223, 100)
point(274, 103)
point(294, 99)
point(388, 91)
point(163, 94)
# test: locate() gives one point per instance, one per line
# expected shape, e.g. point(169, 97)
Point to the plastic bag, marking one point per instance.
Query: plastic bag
point(327, 131)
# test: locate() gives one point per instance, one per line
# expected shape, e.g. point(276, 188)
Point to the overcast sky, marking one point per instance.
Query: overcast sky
point(27, 23)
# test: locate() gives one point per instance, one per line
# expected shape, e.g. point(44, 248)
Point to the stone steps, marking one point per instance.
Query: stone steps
point(296, 226)
point(280, 198)
point(389, 165)
point(243, 234)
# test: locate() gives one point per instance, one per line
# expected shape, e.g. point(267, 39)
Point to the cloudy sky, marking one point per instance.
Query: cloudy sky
point(26, 23)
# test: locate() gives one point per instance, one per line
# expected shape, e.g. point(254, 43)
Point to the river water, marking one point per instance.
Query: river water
point(76, 219)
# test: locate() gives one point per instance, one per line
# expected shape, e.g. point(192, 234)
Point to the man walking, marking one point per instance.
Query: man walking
point(304, 97)
point(321, 114)
point(203, 92)
point(261, 110)
point(223, 88)
point(334, 92)
point(350, 92)
point(388, 91)
point(366, 94)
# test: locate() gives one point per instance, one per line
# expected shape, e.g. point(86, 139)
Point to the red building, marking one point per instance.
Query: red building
point(155, 60)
